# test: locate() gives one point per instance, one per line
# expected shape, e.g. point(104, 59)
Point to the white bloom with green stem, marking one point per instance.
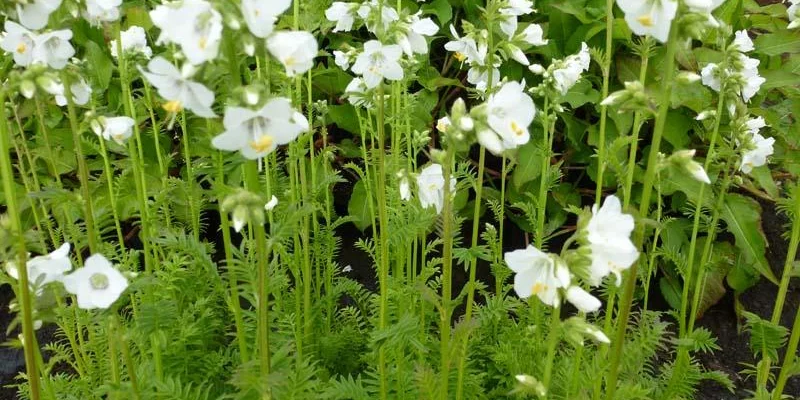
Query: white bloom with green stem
point(608, 234)
point(44, 269)
point(97, 285)
point(742, 42)
point(582, 300)
point(341, 59)
point(134, 40)
point(649, 17)
point(413, 41)
point(356, 93)
point(194, 25)
point(430, 186)
point(514, 9)
point(273, 201)
point(261, 15)
point(533, 35)
point(34, 14)
point(537, 273)
point(53, 48)
point(509, 112)
point(466, 48)
point(794, 14)
point(343, 14)
point(758, 150)
point(478, 75)
point(571, 69)
point(18, 41)
point(99, 11)
point(176, 87)
point(256, 133)
point(751, 81)
point(294, 49)
point(379, 61)
point(81, 93)
point(118, 129)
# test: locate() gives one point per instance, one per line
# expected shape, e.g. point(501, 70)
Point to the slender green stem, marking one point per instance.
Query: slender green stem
point(789, 360)
point(23, 287)
point(128, 360)
point(447, 275)
point(638, 121)
point(553, 337)
point(606, 69)
point(163, 164)
point(383, 243)
point(187, 157)
point(644, 209)
point(541, 204)
point(113, 360)
point(111, 194)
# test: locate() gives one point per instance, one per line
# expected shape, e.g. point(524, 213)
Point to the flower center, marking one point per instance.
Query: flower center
point(645, 20)
point(289, 61)
point(538, 287)
point(262, 144)
point(21, 48)
point(98, 281)
point(203, 43)
point(173, 106)
point(516, 129)
point(460, 56)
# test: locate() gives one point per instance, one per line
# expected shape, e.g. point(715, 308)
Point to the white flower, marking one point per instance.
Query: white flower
point(341, 59)
point(98, 11)
point(388, 15)
point(53, 48)
point(598, 335)
point(742, 42)
point(97, 285)
point(178, 89)
point(752, 81)
point(430, 183)
point(760, 148)
point(466, 48)
point(517, 54)
point(443, 124)
point(706, 6)
point(134, 40)
point(509, 113)
point(356, 92)
point(81, 93)
point(256, 133)
point(378, 62)
point(347, 268)
point(693, 167)
point(582, 300)
point(273, 201)
point(572, 67)
point(649, 17)
point(609, 233)
point(515, 9)
point(413, 41)
point(794, 15)
point(534, 36)
point(18, 41)
point(710, 76)
point(537, 274)
point(192, 24)
point(117, 129)
point(343, 14)
point(405, 188)
point(755, 124)
point(260, 15)
point(479, 76)
point(705, 115)
point(294, 49)
point(34, 14)
point(44, 269)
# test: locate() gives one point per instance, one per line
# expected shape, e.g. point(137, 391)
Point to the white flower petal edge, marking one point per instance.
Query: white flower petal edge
point(430, 184)
point(97, 285)
point(537, 274)
point(294, 49)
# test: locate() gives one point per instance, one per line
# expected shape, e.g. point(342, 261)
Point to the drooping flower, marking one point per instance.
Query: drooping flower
point(178, 89)
point(343, 14)
point(192, 24)
point(582, 300)
point(378, 61)
point(134, 40)
point(53, 48)
point(609, 233)
point(413, 41)
point(97, 285)
point(273, 201)
point(261, 15)
point(751, 80)
point(649, 17)
point(405, 189)
point(81, 93)
point(44, 269)
point(19, 42)
point(430, 183)
point(478, 75)
point(34, 14)
point(98, 11)
point(537, 273)
point(568, 74)
point(341, 59)
point(533, 35)
point(256, 133)
point(117, 129)
point(742, 42)
point(509, 113)
point(710, 75)
point(356, 92)
point(294, 49)
point(467, 48)
point(757, 152)
point(515, 9)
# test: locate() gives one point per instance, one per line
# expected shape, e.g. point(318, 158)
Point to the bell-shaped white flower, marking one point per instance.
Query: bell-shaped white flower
point(53, 48)
point(377, 62)
point(118, 129)
point(466, 48)
point(341, 59)
point(273, 201)
point(609, 233)
point(413, 41)
point(98, 11)
point(582, 300)
point(343, 14)
point(18, 41)
point(178, 89)
point(752, 81)
point(261, 15)
point(97, 285)
point(81, 93)
point(742, 42)
point(537, 273)
point(649, 17)
point(759, 149)
point(568, 74)
point(479, 76)
point(509, 113)
point(34, 14)
point(533, 35)
point(44, 269)
point(256, 133)
point(710, 76)
point(512, 11)
point(192, 24)
point(134, 40)
point(294, 49)
point(754, 125)
point(430, 183)
point(356, 93)
point(598, 335)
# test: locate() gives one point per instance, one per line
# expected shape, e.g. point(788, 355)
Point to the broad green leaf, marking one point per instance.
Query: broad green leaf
point(441, 9)
point(529, 164)
point(763, 176)
point(99, 65)
point(743, 218)
point(676, 131)
point(671, 290)
point(778, 78)
point(581, 93)
point(358, 206)
point(344, 116)
point(775, 44)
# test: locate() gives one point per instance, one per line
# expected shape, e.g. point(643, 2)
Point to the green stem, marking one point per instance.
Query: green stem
point(383, 222)
point(187, 157)
point(111, 195)
point(541, 204)
point(644, 208)
point(789, 360)
point(606, 68)
point(553, 337)
point(113, 361)
point(638, 121)
point(447, 275)
point(23, 287)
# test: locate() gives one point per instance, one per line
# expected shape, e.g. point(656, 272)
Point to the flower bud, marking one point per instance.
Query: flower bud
point(687, 77)
point(536, 69)
point(27, 88)
point(466, 124)
point(705, 115)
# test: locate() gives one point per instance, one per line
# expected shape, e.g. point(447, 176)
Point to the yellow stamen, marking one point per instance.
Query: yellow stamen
point(289, 61)
point(460, 56)
point(173, 106)
point(21, 48)
point(517, 129)
point(257, 12)
point(645, 20)
point(263, 144)
point(539, 287)
point(203, 43)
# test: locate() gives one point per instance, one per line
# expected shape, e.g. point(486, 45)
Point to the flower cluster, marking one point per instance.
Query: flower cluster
point(508, 113)
point(562, 75)
point(740, 76)
point(755, 147)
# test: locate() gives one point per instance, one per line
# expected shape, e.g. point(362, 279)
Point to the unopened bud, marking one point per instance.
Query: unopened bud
point(536, 69)
point(27, 89)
